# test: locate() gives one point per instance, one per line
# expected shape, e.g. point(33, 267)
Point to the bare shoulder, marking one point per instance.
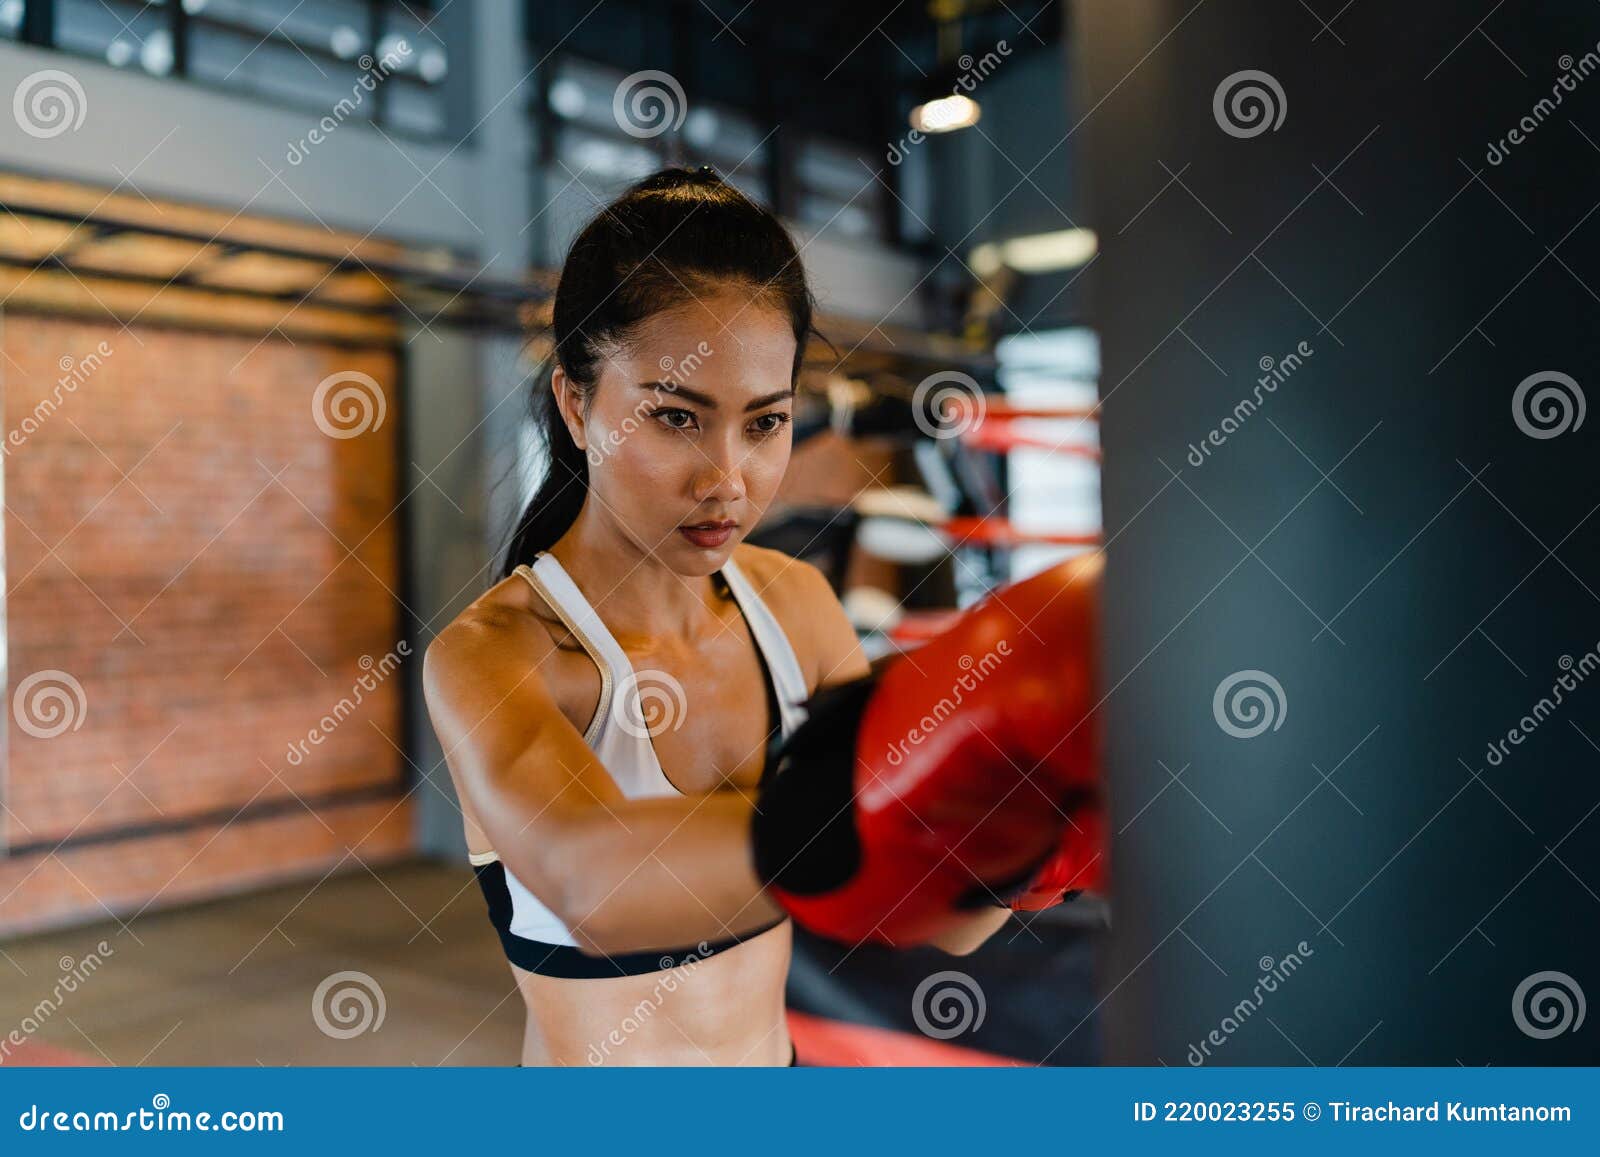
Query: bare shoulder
point(805, 605)
point(506, 620)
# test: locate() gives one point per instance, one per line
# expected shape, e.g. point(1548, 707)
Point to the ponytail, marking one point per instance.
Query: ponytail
point(555, 505)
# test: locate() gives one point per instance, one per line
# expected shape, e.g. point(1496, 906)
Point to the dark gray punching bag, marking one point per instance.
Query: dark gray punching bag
point(1349, 293)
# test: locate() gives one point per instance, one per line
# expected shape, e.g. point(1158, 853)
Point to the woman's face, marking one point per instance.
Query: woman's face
point(689, 431)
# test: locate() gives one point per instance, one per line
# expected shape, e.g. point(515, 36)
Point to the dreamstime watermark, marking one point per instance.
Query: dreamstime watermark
point(676, 370)
point(673, 973)
point(373, 73)
point(1273, 973)
point(377, 672)
point(73, 974)
point(1249, 702)
point(1548, 1004)
point(156, 1119)
point(1249, 103)
point(973, 73)
point(347, 1004)
point(1548, 404)
point(1573, 72)
point(947, 404)
point(976, 672)
point(348, 404)
point(948, 1004)
point(74, 372)
point(1274, 372)
point(653, 702)
point(648, 103)
point(1574, 673)
point(49, 703)
point(48, 103)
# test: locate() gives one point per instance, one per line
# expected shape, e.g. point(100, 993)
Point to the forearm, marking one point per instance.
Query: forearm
point(639, 874)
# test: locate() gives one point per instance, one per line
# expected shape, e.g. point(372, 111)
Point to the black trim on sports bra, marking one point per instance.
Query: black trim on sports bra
point(563, 960)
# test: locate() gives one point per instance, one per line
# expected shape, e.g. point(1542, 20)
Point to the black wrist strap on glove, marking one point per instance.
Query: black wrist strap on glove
point(803, 829)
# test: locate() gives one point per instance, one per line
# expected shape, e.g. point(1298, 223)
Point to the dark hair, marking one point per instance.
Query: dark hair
point(676, 233)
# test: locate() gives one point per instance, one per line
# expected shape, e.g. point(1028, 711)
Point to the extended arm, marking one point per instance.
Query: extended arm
point(624, 875)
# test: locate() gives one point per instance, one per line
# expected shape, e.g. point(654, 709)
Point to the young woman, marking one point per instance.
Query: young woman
point(606, 707)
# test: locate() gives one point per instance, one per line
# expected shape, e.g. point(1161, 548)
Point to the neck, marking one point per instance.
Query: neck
point(640, 593)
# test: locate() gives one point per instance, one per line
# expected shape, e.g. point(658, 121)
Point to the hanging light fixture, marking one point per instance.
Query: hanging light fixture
point(946, 114)
point(945, 110)
point(1036, 252)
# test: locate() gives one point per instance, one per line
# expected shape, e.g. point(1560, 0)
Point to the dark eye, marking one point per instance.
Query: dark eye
point(776, 422)
point(668, 418)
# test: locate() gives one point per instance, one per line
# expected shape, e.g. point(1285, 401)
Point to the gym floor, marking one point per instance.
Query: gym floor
point(228, 982)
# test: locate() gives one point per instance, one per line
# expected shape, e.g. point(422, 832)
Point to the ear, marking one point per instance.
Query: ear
point(570, 405)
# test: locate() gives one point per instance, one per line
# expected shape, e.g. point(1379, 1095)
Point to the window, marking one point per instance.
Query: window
point(729, 140)
point(602, 164)
point(837, 190)
point(121, 33)
point(613, 127)
point(379, 60)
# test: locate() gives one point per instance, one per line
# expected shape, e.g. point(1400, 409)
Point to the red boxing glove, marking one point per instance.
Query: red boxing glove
point(960, 775)
point(1078, 865)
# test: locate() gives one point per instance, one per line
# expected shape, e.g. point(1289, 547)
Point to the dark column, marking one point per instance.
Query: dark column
point(1334, 484)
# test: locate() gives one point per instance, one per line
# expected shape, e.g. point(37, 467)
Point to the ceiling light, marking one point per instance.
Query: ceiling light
point(1036, 253)
point(946, 114)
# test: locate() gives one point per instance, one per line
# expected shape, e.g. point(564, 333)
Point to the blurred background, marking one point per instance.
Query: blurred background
point(271, 279)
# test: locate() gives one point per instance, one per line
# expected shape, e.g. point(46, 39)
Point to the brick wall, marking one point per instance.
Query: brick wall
point(176, 539)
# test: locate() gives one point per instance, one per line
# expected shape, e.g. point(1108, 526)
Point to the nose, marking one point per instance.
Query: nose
point(719, 473)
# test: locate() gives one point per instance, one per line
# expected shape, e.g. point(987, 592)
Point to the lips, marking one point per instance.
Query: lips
point(709, 535)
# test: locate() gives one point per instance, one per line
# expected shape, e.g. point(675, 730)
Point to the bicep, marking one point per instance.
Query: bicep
point(515, 758)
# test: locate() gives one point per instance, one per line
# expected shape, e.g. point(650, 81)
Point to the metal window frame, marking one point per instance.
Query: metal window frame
point(38, 30)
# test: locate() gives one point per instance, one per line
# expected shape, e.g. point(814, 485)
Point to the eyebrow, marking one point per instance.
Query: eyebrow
point(709, 402)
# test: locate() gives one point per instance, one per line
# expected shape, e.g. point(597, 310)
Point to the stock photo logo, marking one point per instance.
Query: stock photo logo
point(652, 702)
point(1274, 974)
point(649, 103)
point(375, 672)
point(1548, 404)
point(948, 1004)
point(73, 975)
point(673, 973)
point(1249, 103)
point(348, 404)
point(947, 404)
point(347, 1004)
point(1548, 1004)
point(373, 73)
point(49, 703)
point(1248, 703)
point(1274, 373)
point(74, 373)
point(48, 103)
point(1573, 73)
point(676, 370)
point(950, 112)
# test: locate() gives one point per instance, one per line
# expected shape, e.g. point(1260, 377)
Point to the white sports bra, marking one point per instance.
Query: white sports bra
point(619, 734)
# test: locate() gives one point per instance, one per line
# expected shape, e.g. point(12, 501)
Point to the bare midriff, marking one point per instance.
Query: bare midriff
point(724, 1009)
